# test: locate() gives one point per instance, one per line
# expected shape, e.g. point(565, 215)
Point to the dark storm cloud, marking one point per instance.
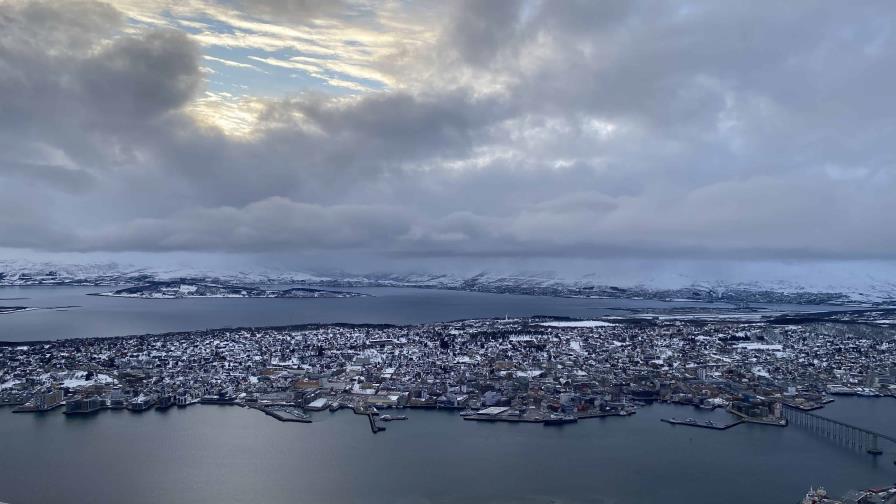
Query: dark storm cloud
point(140, 77)
point(479, 31)
point(526, 129)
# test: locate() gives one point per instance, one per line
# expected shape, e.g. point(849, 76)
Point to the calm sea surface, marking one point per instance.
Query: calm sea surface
point(94, 316)
point(225, 454)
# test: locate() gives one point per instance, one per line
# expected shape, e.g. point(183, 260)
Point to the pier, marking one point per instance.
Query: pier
point(26, 408)
point(502, 418)
point(282, 413)
point(373, 426)
point(703, 425)
point(845, 434)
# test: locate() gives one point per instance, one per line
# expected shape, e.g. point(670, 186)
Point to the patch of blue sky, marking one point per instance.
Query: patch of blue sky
point(259, 78)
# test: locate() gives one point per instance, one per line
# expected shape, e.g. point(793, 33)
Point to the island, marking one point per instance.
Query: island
point(188, 289)
point(13, 309)
point(546, 370)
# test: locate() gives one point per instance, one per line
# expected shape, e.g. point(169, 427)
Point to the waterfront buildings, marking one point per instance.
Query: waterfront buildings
point(535, 366)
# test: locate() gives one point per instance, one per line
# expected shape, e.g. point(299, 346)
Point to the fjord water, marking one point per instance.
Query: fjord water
point(228, 454)
point(96, 316)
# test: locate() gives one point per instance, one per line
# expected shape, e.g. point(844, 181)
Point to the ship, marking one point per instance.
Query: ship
point(389, 418)
point(560, 420)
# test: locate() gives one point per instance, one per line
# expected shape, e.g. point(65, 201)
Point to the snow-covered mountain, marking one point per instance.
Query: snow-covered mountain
point(22, 272)
point(837, 284)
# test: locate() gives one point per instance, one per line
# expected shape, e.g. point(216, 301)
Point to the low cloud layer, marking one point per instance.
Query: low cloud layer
point(506, 129)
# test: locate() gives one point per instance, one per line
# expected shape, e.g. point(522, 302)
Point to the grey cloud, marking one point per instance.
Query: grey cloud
point(299, 10)
point(140, 77)
point(319, 150)
point(643, 129)
point(64, 178)
point(269, 225)
point(480, 31)
point(76, 89)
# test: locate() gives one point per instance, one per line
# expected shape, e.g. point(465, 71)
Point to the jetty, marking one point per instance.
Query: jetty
point(284, 414)
point(373, 426)
point(708, 424)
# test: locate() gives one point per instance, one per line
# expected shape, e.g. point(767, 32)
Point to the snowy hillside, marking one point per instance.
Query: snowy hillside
point(750, 283)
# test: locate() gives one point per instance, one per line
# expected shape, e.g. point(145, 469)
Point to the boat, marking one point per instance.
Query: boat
point(815, 495)
point(221, 398)
point(560, 420)
point(467, 412)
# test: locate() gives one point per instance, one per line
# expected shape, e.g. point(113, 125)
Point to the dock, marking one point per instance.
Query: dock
point(389, 418)
point(503, 418)
point(373, 426)
point(499, 414)
point(26, 408)
point(284, 414)
point(624, 413)
point(703, 425)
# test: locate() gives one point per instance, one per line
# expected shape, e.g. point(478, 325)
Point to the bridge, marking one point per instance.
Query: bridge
point(849, 435)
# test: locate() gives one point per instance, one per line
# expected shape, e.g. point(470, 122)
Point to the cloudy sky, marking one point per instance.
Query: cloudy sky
point(449, 131)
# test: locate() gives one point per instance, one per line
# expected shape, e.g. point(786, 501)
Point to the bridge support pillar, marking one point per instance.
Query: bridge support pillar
point(873, 449)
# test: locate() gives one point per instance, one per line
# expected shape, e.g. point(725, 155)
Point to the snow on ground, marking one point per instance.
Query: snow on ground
point(9, 384)
point(759, 346)
point(577, 323)
point(75, 379)
point(759, 371)
point(707, 316)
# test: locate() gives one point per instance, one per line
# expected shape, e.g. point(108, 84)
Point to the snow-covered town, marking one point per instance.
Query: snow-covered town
point(532, 370)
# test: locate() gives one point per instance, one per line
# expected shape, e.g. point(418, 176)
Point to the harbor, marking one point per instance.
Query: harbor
point(431, 446)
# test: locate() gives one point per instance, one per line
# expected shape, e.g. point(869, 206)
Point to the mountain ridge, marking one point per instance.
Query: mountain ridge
point(543, 282)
